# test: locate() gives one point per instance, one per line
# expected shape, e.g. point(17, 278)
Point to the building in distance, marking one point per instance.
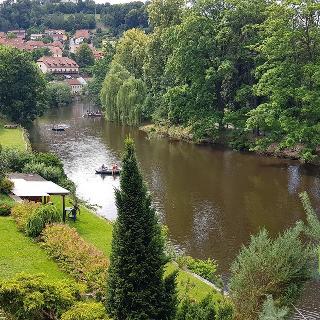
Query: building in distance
point(58, 65)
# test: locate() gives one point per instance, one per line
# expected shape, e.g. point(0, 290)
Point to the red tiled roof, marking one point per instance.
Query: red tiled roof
point(55, 50)
point(56, 44)
point(73, 82)
point(58, 62)
point(37, 44)
point(82, 34)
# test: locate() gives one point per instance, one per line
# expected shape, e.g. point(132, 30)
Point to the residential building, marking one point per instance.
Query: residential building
point(36, 36)
point(81, 35)
point(21, 33)
point(31, 45)
point(58, 65)
point(75, 84)
point(56, 44)
point(56, 51)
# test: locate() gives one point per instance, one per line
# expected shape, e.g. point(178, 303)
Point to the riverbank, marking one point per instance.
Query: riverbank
point(92, 228)
point(14, 137)
point(180, 133)
point(98, 231)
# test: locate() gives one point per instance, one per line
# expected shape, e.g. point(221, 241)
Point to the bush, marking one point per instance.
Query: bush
point(49, 159)
point(75, 256)
point(32, 297)
point(21, 213)
point(42, 216)
point(207, 269)
point(6, 186)
point(50, 173)
point(278, 267)
point(86, 311)
point(5, 208)
point(15, 159)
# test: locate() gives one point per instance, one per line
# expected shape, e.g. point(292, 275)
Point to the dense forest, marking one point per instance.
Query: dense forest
point(37, 15)
point(241, 72)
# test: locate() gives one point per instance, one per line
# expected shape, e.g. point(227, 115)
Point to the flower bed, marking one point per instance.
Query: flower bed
point(75, 256)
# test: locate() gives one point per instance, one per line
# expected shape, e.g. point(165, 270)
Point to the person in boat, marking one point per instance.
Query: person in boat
point(103, 167)
point(115, 168)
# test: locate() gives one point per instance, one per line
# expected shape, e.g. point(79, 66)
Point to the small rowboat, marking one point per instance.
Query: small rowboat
point(108, 171)
point(93, 114)
point(58, 128)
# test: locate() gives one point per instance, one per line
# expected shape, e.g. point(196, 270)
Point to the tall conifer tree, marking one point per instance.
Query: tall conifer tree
point(136, 288)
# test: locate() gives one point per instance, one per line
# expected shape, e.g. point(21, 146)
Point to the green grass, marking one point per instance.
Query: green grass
point(98, 231)
point(19, 254)
point(6, 198)
point(12, 138)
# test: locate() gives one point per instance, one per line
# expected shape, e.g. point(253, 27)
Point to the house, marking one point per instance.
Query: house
point(76, 85)
point(56, 35)
point(21, 33)
point(58, 65)
point(36, 36)
point(56, 51)
point(56, 44)
point(80, 35)
point(31, 45)
point(15, 42)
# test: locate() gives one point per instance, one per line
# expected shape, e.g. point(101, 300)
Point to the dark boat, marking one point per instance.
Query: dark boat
point(93, 114)
point(108, 171)
point(58, 128)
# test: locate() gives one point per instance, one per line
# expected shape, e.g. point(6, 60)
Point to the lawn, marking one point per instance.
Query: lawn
point(19, 254)
point(13, 138)
point(98, 231)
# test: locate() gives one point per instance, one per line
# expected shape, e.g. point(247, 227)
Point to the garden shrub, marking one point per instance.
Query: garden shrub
point(42, 216)
point(86, 311)
point(50, 173)
point(21, 213)
point(5, 207)
point(207, 269)
point(49, 159)
point(15, 159)
point(75, 256)
point(191, 309)
point(33, 297)
point(277, 267)
point(6, 186)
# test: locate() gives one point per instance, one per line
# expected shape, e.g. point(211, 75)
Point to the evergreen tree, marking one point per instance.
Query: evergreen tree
point(136, 288)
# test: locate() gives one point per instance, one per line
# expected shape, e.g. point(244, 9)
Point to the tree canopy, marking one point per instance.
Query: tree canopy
point(22, 86)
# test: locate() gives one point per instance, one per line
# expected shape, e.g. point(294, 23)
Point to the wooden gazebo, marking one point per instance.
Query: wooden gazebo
point(33, 187)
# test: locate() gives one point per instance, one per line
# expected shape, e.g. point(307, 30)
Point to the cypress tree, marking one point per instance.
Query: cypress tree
point(136, 288)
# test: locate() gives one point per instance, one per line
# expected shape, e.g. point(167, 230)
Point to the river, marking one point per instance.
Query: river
point(210, 198)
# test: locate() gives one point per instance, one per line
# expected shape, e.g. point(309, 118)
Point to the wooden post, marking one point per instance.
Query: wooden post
point(63, 208)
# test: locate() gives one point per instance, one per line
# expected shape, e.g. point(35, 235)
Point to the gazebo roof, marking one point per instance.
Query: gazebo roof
point(33, 185)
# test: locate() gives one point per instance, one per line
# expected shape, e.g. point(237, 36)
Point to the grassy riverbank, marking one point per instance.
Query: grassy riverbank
point(98, 231)
point(185, 134)
point(15, 138)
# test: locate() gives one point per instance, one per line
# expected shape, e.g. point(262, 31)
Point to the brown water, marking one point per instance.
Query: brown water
point(211, 198)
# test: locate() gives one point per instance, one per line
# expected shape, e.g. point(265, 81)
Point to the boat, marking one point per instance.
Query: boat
point(108, 171)
point(93, 114)
point(58, 128)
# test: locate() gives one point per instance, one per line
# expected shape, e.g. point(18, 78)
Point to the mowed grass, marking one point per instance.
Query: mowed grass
point(12, 138)
point(98, 231)
point(19, 254)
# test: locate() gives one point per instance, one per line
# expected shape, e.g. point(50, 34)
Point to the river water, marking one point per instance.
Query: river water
point(210, 198)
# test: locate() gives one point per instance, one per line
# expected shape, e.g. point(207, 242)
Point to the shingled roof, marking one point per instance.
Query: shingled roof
point(58, 62)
